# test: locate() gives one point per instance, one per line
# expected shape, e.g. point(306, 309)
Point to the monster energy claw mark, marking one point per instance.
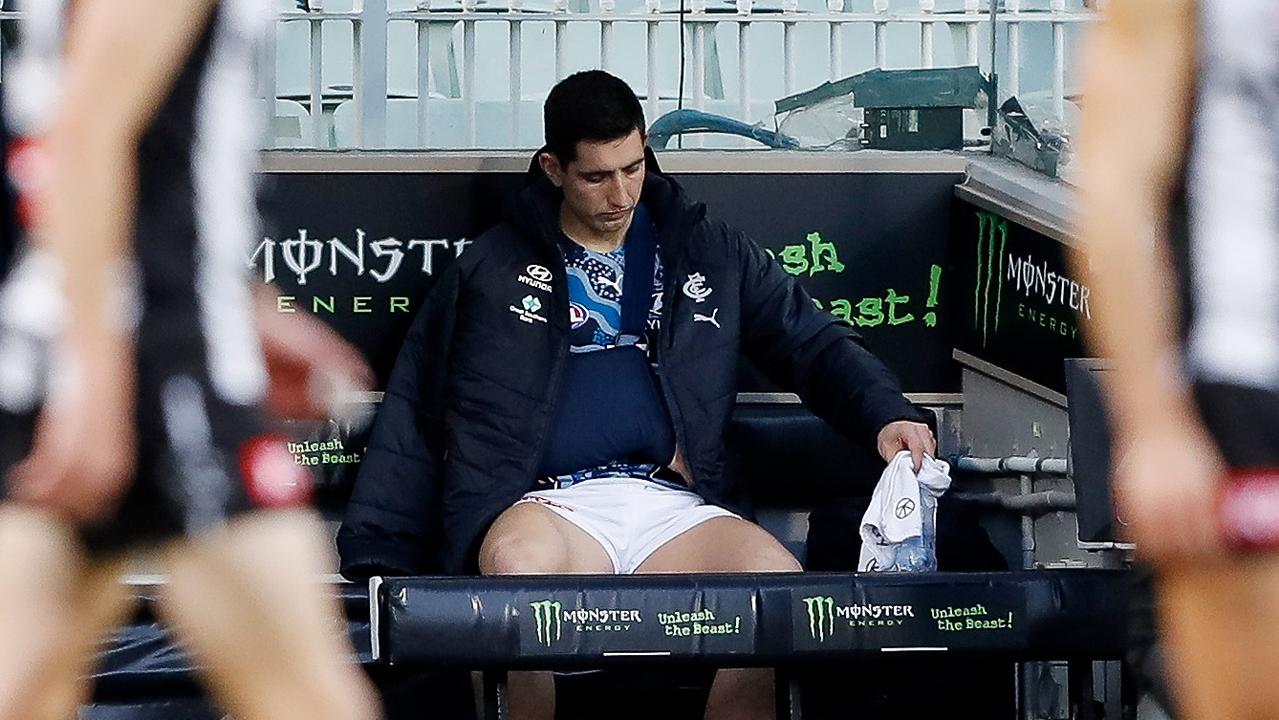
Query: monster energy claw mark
point(821, 617)
point(547, 619)
point(988, 226)
point(981, 235)
point(999, 272)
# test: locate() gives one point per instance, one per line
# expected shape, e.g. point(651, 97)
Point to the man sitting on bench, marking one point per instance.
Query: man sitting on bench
point(560, 403)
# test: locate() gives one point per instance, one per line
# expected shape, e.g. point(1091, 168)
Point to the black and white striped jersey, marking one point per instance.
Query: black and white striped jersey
point(196, 215)
point(1229, 249)
point(8, 221)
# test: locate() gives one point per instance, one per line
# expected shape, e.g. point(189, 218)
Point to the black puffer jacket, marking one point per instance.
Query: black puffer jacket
point(462, 427)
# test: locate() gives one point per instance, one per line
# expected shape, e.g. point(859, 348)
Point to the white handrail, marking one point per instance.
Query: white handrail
point(460, 95)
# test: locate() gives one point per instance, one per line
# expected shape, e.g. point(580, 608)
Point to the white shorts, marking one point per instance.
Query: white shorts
point(630, 518)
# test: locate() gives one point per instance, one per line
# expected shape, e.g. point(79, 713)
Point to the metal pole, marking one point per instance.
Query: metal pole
point(370, 88)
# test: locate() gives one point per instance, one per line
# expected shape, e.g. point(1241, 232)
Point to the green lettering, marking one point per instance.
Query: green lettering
point(842, 309)
point(872, 312)
point(821, 247)
point(934, 284)
point(794, 259)
point(893, 300)
point(317, 302)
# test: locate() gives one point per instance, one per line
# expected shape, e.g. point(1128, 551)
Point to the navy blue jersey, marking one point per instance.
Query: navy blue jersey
point(617, 418)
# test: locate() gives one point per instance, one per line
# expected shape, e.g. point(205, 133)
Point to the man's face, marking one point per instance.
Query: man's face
point(602, 184)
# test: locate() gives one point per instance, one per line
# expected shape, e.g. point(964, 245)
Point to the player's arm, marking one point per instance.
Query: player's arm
point(1136, 112)
point(1137, 108)
point(121, 58)
point(312, 368)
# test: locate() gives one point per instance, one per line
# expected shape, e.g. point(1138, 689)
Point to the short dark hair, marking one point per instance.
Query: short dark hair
point(589, 105)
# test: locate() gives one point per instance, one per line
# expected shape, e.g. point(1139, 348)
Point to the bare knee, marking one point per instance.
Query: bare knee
point(767, 558)
point(520, 554)
point(757, 551)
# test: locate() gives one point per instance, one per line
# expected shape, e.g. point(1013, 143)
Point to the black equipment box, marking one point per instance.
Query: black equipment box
point(913, 128)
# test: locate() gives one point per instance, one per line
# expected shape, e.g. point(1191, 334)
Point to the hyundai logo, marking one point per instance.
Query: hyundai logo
point(539, 273)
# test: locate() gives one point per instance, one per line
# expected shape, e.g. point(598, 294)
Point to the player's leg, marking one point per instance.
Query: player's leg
point(1222, 626)
point(39, 571)
point(1219, 614)
point(530, 538)
point(101, 604)
point(728, 544)
point(248, 601)
point(54, 609)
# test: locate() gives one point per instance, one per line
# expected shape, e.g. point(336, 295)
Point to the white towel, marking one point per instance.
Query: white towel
point(894, 513)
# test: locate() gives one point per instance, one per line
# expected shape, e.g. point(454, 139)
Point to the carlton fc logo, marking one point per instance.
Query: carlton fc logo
point(695, 288)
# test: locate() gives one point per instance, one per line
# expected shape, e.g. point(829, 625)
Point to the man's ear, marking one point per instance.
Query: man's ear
point(551, 166)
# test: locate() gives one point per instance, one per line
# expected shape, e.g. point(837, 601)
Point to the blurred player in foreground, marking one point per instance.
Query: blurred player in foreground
point(1182, 227)
point(148, 435)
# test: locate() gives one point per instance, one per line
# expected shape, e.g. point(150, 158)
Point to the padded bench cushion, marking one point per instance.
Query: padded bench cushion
point(562, 622)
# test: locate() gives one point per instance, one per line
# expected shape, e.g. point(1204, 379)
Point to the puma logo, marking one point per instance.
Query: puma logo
point(615, 283)
point(698, 317)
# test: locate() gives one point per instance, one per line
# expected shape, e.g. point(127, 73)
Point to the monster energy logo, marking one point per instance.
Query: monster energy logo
point(1036, 280)
point(990, 270)
point(821, 617)
point(822, 613)
point(547, 619)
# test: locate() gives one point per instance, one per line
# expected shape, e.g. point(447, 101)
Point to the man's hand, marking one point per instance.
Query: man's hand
point(84, 453)
point(1165, 489)
point(906, 435)
point(310, 365)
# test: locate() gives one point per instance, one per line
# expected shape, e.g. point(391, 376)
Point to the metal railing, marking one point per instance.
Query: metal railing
point(447, 91)
point(429, 74)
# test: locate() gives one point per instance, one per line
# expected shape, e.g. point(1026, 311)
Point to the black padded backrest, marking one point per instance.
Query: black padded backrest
point(785, 455)
point(789, 457)
point(332, 451)
point(1090, 452)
